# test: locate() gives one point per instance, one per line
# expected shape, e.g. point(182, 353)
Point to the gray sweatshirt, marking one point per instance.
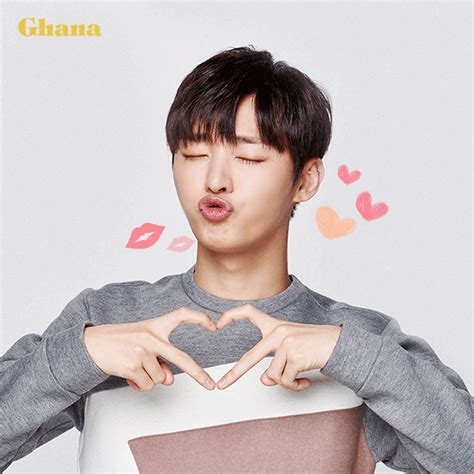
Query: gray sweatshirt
point(383, 396)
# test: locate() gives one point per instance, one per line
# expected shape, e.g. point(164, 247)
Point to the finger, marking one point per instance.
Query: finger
point(153, 369)
point(168, 322)
point(289, 380)
point(133, 385)
point(168, 380)
point(138, 375)
point(143, 381)
point(277, 365)
point(267, 380)
point(178, 357)
point(261, 320)
point(167, 370)
point(187, 364)
point(247, 361)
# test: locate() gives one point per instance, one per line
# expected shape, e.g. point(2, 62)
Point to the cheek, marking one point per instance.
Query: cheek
point(264, 200)
point(186, 186)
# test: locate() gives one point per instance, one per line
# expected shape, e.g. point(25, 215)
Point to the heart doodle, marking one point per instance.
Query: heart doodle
point(368, 210)
point(331, 226)
point(347, 177)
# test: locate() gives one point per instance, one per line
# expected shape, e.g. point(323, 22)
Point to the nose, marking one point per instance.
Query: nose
point(218, 177)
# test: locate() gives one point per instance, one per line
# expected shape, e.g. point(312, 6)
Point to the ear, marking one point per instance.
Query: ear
point(310, 180)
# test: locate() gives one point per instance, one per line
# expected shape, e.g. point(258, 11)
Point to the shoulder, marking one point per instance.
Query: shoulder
point(121, 289)
point(132, 300)
point(366, 318)
point(337, 312)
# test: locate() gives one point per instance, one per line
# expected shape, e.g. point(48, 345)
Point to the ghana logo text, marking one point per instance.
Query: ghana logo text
point(39, 27)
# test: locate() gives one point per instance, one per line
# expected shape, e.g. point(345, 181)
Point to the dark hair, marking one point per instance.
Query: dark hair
point(293, 114)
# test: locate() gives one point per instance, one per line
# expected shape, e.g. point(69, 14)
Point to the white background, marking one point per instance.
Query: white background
point(84, 158)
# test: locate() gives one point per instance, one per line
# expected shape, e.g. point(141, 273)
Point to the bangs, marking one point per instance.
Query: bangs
point(213, 121)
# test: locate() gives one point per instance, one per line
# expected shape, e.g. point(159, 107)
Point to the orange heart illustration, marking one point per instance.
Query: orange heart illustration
point(331, 226)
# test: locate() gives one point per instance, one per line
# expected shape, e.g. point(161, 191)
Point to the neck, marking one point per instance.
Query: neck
point(261, 273)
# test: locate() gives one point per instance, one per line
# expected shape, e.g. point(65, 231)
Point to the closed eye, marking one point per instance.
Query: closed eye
point(245, 160)
point(250, 162)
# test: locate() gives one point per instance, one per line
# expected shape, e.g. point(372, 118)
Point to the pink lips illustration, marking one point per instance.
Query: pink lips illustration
point(180, 244)
point(155, 230)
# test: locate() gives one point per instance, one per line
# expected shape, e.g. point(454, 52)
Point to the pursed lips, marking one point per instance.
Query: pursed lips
point(215, 201)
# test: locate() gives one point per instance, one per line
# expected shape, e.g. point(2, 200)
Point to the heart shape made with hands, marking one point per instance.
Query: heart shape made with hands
point(298, 347)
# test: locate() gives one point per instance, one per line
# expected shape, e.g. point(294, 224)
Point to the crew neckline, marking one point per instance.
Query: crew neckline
point(219, 304)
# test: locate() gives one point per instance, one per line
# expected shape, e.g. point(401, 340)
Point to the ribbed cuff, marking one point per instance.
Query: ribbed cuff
point(353, 356)
point(71, 363)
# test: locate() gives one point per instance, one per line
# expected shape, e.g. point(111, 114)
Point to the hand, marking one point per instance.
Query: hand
point(298, 347)
point(131, 350)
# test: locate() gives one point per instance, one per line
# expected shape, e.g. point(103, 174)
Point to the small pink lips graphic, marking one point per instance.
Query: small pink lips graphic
point(347, 177)
point(215, 208)
point(154, 230)
point(180, 244)
point(368, 210)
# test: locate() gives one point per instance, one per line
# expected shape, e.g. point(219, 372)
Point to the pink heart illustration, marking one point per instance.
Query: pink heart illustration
point(368, 210)
point(347, 177)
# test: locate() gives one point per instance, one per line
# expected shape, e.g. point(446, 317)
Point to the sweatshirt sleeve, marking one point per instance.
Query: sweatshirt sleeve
point(42, 381)
point(418, 412)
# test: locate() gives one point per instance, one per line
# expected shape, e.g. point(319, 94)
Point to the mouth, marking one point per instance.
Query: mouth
point(215, 214)
point(214, 208)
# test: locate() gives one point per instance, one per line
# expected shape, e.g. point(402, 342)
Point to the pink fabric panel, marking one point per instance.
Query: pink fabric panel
point(324, 442)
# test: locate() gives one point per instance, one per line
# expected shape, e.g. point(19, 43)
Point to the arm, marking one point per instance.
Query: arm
point(419, 413)
point(42, 380)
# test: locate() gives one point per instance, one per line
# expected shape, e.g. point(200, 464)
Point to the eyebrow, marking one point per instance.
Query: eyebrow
point(240, 139)
point(248, 139)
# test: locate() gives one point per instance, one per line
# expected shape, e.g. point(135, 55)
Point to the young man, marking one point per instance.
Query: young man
point(313, 384)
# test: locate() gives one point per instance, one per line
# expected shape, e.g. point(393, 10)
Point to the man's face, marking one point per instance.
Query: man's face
point(261, 193)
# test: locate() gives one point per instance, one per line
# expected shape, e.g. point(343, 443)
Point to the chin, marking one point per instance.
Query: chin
point(215, 241)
